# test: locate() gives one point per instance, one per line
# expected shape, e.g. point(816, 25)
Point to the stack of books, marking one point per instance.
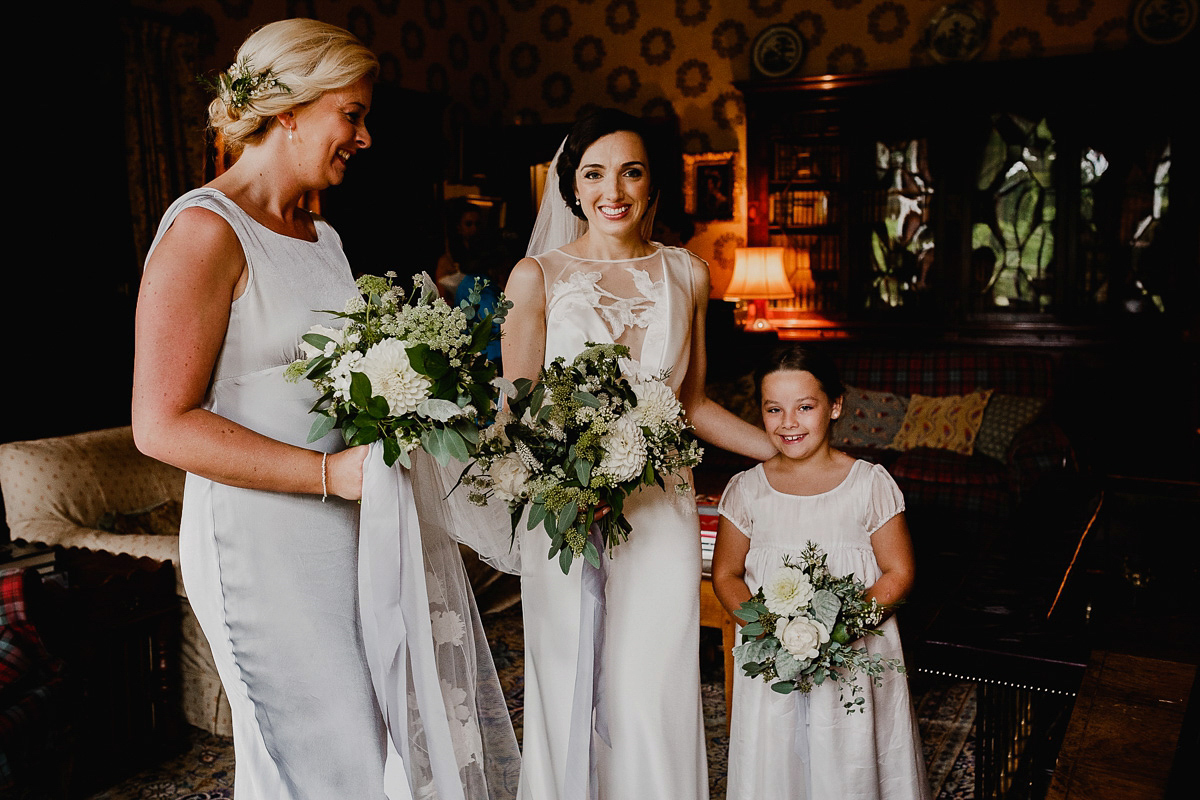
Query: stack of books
point(20, 555)
point(707, 506)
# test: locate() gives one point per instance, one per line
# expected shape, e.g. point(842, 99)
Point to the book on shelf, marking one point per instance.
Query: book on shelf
point(23, 555)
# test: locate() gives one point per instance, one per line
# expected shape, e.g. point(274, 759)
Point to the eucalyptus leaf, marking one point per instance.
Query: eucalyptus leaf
point(322, 425)
point(566, 517)
point(753, 629)
point(746, 614)
point(537, 513)
point(506, 387)
point(455, 445)
point(317, 340)
point(583, 471)
point(787, 666)
point(591, 555)
point(783, 687)
point(587, 399)
point(825, 606)
point(440, 410)
point(761, 649)
point(564, 560)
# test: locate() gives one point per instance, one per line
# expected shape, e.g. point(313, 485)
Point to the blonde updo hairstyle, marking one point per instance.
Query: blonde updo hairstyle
point(308, 57)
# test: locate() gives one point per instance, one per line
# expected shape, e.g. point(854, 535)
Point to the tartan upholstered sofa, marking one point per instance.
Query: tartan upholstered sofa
point(96, 491)
point(881, 383)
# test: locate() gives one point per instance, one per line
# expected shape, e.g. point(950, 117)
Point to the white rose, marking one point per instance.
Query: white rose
point(510, 478)
point(312, 352)
point(656, 404)
point(802, 637)
point(624, 450)
point(386, 365)
point(787, 591)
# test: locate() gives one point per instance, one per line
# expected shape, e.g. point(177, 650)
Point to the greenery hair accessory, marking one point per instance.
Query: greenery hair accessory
point(240, 84)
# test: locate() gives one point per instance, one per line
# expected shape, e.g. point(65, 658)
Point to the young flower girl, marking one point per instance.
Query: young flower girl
point(789, 746)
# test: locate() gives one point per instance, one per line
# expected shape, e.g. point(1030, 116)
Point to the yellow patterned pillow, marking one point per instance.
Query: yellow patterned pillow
point(947, 423)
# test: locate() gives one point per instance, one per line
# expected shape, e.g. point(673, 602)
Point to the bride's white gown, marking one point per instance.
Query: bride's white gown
point(651, 635)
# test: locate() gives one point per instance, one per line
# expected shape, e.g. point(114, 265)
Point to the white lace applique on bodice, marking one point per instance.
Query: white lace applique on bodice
point(583, 289)
point(643, 303)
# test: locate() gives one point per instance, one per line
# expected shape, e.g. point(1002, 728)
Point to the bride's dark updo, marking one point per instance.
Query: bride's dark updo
point(589, 128)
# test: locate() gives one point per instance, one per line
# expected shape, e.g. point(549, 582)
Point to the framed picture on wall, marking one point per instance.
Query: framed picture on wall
point(709, 185)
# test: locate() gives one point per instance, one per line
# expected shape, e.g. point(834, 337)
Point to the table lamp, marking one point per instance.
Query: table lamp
point(758, 275)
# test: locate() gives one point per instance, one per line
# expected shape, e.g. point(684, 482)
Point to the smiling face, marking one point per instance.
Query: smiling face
point(797, 413)
point(330, 130)
point(612, 183)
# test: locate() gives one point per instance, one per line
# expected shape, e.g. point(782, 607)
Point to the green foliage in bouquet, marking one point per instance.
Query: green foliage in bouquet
point(799, 627)
point(585, 433)
point(407, 369)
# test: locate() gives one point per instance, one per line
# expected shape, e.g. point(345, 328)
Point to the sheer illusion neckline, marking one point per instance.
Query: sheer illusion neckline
point(657, 251)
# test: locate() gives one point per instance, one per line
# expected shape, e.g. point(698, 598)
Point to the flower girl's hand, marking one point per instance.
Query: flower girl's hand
point(344, 472)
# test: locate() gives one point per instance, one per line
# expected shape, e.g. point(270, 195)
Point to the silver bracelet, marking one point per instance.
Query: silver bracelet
point(324, 485)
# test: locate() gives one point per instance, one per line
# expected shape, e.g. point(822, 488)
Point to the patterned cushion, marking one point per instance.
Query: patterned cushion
point(1005, 415)
point(160, 519)
point(869, 418)
point(947, 423)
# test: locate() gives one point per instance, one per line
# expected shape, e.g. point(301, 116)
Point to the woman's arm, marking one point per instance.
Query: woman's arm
point(714, 423)
point(729, 566)
point(195, 273)
point(894, 554)
point(523, 346)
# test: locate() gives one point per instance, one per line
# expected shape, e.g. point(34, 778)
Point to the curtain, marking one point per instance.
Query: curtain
point(165, 119)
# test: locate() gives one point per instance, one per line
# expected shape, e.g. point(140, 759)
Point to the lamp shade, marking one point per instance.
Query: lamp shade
point(758, 275)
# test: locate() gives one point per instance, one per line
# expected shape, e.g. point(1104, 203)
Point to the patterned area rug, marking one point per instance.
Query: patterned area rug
point(946, 710)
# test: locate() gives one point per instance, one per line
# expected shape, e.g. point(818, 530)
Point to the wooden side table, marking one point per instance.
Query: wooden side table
point(713, 615)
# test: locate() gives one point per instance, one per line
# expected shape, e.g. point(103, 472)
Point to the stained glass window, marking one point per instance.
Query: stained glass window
point(902, 241)
point(1013, 240)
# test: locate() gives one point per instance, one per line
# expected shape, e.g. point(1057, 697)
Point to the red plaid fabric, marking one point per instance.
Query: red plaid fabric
point(935, 374)
point(31, 684)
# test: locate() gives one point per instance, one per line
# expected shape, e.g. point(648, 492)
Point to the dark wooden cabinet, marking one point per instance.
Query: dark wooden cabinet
point(1009, 199)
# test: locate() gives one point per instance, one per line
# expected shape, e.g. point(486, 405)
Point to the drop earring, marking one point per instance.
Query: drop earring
point(289, 134)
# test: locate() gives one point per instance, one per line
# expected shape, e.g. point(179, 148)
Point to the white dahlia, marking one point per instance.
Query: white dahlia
point(624, 450)
point(656, 404)
point(787, 591)
point(386, 365)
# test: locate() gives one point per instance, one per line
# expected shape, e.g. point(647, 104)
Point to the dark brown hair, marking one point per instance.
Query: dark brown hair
point(589, 128)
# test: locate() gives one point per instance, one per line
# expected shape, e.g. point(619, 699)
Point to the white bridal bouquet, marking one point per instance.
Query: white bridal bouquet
point(800, 624)
point(589, 432)
point(407, 369)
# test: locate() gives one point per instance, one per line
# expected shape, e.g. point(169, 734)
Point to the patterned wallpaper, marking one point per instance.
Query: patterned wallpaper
point(506, 61)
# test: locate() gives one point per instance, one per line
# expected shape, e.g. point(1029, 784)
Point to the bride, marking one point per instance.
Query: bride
point(593, 276)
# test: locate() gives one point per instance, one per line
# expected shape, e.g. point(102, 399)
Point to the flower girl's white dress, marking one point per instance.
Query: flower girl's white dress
point(873, 755)
point(650, 669)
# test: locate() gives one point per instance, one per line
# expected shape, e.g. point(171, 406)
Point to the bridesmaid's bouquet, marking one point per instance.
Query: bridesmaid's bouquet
point(799, 626)
point(405, 368)
point(589, 432)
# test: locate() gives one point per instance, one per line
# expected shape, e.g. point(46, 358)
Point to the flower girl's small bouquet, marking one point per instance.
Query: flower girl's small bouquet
point(407, 369)
point(589, 432)
point(799, 625)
